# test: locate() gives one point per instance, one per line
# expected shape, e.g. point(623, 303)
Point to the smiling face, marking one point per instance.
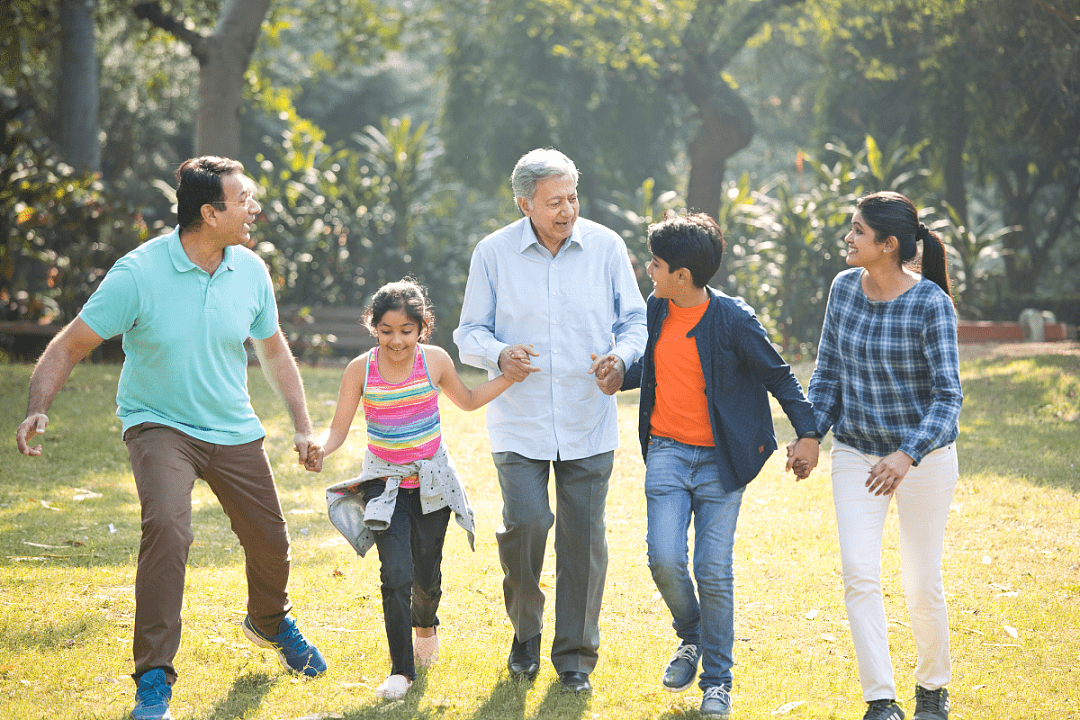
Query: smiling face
point(398, 335)
point(864, 250)
point(237, 211)
point(664, 282)
point(553, 210)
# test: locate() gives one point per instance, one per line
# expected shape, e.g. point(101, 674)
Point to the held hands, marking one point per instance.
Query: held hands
point(886, 475)
point(310, 453)
point(514, 362)
point(609, 371)
point(802, 454)
point(32, 426)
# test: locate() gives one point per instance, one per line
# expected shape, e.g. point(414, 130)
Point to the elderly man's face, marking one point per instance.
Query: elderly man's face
point(553, 209)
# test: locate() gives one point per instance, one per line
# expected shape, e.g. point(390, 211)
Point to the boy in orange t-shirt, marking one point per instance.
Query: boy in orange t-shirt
point(706, 430)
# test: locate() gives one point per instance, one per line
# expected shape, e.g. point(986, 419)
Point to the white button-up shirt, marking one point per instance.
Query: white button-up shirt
point(583, 300)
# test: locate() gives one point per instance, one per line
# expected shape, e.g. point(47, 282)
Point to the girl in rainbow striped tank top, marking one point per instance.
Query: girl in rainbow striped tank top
point(408, 488)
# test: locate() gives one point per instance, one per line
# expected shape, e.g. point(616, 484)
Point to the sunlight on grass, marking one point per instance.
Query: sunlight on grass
point(69, 531)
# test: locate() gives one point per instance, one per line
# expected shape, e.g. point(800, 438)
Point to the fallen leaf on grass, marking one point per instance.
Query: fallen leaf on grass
point(787, 707)
point(1011, 631)
point(811, 615)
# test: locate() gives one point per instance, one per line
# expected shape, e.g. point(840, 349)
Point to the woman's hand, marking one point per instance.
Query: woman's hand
point(886, 475)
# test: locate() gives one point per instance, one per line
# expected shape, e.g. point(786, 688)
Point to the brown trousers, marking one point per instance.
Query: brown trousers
point(166, 463)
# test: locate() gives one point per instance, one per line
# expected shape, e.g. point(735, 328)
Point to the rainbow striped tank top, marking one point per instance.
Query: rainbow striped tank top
point(402, 419)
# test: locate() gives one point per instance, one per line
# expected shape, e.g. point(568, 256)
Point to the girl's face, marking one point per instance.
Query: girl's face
point(863, 248)
point(397, 334)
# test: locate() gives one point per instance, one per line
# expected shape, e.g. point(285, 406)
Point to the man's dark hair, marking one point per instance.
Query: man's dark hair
point(198, 182)
point(692, 241)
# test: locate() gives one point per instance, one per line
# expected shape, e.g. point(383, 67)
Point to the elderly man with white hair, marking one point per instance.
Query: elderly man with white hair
point(563, 285)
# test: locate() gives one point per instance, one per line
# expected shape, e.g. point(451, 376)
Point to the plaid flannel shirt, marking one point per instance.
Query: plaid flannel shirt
point(888, 373)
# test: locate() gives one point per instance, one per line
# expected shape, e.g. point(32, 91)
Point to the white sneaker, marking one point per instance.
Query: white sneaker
point(393, 687)
point(426, 650)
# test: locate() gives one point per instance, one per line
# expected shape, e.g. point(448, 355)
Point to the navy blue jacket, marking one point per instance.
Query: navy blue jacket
point(741, 367)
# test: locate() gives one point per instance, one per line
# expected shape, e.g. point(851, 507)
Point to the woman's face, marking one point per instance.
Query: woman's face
point(863, 248)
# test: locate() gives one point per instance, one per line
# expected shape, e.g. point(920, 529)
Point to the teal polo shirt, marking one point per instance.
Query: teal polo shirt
point(185, 363)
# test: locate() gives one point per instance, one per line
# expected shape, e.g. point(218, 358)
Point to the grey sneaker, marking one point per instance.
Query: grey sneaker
point(931, 704)
point(716, 703)
point(682, 668)
point(883, 710)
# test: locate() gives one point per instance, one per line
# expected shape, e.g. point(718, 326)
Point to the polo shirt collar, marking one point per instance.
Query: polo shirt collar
point(183, 263)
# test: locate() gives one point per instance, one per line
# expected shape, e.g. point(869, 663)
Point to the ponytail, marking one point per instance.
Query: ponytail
point(891, 214)
point(934, 266)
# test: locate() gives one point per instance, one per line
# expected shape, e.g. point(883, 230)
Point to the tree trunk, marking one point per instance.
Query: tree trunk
point(726, 128)
point(223, 59)
point(221, 76)
point(727, 125)
point(78, 86)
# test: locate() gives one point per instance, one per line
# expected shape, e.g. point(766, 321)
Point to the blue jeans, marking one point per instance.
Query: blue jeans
point(681, 480)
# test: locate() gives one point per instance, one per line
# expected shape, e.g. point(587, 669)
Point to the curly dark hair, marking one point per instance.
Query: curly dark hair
point(406, 295)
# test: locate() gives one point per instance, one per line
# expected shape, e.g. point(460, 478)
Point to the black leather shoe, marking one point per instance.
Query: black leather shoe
point(575, 682)
point(524, 660)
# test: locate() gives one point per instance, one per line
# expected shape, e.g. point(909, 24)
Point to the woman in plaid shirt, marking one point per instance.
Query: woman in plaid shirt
point(887, 383)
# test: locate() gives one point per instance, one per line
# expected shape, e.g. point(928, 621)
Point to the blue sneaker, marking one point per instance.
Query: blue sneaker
point(152, 697)
point(293, 649)
point(716, 703)
point(681, 670)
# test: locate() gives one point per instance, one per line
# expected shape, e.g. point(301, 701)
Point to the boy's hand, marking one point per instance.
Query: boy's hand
point(609, 371)
point(802, 456)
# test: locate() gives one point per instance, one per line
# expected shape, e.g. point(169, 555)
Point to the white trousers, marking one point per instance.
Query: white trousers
point(922, 502)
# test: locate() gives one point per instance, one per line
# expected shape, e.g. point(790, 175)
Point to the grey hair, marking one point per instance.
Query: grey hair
point(537, 165)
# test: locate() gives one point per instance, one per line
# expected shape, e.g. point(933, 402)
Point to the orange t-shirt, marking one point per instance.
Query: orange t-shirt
point(681, 411)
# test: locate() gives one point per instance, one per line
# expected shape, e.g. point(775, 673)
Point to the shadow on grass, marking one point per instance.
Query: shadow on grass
point(507, 700)
point(76, 631)
point(559, 703)
point(407, 707)
point(247, 693)
point(1020, 420)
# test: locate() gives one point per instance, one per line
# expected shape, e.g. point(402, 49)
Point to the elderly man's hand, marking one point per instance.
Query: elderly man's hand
point(514, 362)
point(609, 371)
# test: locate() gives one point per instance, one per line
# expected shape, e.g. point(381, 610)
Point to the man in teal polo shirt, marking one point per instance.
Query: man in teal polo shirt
point(185, 303)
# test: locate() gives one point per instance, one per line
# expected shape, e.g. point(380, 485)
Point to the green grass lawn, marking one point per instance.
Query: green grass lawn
point(69, 531)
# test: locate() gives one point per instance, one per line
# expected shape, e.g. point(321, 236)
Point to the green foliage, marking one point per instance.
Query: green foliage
point(593, 80)
point(343, 221)
point(60, 231)
point(785, 243)
point(994, 86)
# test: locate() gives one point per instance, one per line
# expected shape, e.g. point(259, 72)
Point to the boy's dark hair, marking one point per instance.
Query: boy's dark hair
point(198, 183)
point(692, 241)
point(406, 295)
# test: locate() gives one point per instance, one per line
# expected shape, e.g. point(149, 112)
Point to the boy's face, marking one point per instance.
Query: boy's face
point(665, 282)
